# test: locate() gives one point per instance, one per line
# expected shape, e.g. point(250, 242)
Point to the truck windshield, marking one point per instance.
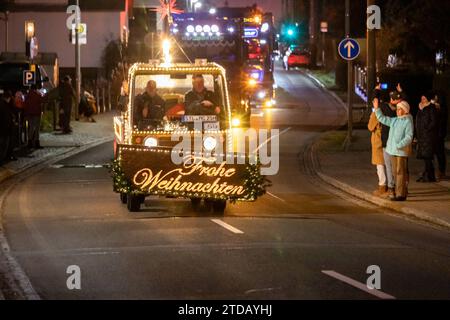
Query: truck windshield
point(174, 104)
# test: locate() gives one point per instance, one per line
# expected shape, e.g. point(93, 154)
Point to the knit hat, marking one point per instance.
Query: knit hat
point(405, 106)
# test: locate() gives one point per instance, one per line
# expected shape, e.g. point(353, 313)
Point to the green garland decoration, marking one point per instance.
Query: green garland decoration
point(255, 183)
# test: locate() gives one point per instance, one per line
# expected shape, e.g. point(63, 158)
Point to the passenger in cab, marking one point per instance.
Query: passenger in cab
point(201, 101)
point(149, 105)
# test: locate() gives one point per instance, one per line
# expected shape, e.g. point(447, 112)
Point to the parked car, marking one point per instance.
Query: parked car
point(297, 58)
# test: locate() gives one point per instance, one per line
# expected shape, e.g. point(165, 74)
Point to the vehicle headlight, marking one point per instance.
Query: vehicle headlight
point(262, 94)
point(150, 142)
point(252, 82)
point(269, 103)
point(236, 122)
point(210, 143)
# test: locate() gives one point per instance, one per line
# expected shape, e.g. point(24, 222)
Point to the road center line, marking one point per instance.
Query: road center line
point(358, 285)
point(227, 226)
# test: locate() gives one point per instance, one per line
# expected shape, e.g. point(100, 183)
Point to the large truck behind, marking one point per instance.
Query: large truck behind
point(240, 39)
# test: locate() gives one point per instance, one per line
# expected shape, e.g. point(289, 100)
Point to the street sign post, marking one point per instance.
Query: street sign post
point(349, 49)
point(82, 34)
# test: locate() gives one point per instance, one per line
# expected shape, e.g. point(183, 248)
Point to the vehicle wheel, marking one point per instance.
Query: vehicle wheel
point(195, 202)
point(123, 198)
point(134, 203)
point(219, 206)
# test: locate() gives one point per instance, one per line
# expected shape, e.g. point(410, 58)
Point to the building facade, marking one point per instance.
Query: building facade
point(106, 21)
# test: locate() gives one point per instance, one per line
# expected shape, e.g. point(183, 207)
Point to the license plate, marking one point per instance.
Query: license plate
point(199, 118)
point(211, 126)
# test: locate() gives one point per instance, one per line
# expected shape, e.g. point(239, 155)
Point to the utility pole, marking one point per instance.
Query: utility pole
point(77, 62)
point(313, 31)
point(348, 140)
point(371, 59)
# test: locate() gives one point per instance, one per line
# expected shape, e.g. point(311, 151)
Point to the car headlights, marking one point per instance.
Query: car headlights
point(236, 122)
point(262, 94)
point(150, 142)
point(210, 143)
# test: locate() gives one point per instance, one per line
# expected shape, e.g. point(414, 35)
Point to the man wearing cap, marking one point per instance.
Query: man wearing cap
point(399, 145)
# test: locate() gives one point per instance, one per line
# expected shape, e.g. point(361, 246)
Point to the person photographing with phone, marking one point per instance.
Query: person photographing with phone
point(399, 144)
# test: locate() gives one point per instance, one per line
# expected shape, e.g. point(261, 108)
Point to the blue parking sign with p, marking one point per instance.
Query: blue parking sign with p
point(29, 78)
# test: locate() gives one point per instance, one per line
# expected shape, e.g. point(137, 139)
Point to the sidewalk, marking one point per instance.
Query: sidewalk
point(13, 282)
point(55, 144)
point(353, 173)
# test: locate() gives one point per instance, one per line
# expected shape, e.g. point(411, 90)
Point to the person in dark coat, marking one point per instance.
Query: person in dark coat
point(7, 127)
point(67, 97)
point(149, 105)
point(201, 101)
point(33, 108)
point(442, 114)
point(427, 127)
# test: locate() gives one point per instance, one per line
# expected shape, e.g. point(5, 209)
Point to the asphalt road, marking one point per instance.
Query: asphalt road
point(300, 241)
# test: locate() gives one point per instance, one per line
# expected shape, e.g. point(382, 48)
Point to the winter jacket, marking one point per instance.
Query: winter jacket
point(427, 127)
point(388, 112)
point(400, 134)
point(67, 95)
point(33, 103)
point(374, 127)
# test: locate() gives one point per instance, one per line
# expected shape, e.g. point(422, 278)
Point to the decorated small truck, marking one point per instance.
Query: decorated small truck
point(181, 153)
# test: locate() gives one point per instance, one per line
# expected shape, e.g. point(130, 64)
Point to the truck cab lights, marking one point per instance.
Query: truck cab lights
point(205, 30)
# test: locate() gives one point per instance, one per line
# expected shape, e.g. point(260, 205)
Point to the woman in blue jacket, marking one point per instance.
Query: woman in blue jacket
point(399, 145)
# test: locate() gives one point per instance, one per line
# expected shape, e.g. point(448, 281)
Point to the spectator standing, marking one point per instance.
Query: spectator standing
point(399, 145)
point(374, 127)
point(67, 98)
point(33, 110)
point(388, 110)
point(427, 136)
point(7, 127)
point(442, 114)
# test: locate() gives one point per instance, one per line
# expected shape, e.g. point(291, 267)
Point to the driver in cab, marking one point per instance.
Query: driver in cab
point(149, 105)
point(201, 101)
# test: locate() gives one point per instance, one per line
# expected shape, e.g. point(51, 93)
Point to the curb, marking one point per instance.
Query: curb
point(18, 278)
point(321, 86)
point(387, 204)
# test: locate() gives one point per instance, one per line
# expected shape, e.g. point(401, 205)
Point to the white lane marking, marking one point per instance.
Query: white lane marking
point(270, 139)
point(227, 226)
point(276, 197)
point(359, 285)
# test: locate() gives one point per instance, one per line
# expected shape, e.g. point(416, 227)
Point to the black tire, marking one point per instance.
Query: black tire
point(219, 206)
point(134, 203)
point(123, 198)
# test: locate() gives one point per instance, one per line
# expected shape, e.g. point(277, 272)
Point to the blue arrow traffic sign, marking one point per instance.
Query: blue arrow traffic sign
point(349, 49)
